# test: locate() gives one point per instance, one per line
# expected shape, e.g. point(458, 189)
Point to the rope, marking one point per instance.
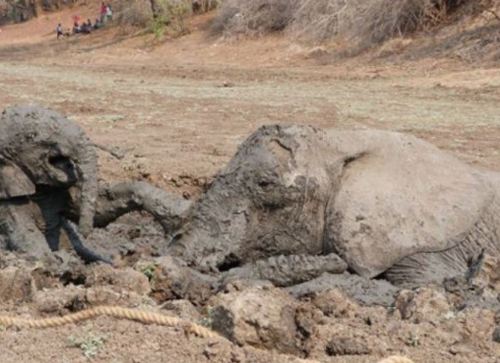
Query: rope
point(145, 317)
point(141, 316)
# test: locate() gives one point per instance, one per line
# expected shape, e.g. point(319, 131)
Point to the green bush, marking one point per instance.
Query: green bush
point(169, 17)
point(160, 17)
point(90, 344)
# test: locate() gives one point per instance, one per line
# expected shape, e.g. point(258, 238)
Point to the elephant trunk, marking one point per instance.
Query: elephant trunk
point(211, 240)
point(189, 244)
point(87, 164)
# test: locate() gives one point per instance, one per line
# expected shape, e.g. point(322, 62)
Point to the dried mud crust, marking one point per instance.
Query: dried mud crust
point(336, 318)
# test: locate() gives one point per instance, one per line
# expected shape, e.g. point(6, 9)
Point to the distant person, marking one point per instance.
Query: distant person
point(109, 12)
point(104, 10)
point(86, 28)
point(59, 31)
point(76, 19)
point(97, 24)
point(76, 24)
point(76, 28)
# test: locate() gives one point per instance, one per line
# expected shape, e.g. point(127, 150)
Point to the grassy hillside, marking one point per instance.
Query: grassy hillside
point(361, 24)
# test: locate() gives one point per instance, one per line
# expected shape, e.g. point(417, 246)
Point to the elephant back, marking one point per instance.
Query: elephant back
point(400, 197)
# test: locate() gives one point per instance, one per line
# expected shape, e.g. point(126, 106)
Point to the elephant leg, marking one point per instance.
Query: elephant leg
point(51, 204)
point(288, 270)
point(432, 267)
point(77, 239)
point(52, 235)
point(19, 228)
point(462, 260)
point(169, 210)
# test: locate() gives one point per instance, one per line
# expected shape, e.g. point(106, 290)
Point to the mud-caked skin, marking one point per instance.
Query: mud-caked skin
point(48, 182)
point(293, 203)
point(383, 202)
point(42, 155)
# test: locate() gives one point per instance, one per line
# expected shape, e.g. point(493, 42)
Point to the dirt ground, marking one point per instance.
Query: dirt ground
point(178, 110)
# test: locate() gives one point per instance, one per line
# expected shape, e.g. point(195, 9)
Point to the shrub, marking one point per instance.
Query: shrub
point(362, 22)
point(157, 16)
point(90, 345)
point(321, 20)
point(14, 11)
point(203, 6)
point(380, 20)
point(169, 16)
point(254, 17)
point(136, 13)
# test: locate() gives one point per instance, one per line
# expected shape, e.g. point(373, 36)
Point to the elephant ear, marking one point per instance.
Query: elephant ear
point(13, 181)
point(399, 196)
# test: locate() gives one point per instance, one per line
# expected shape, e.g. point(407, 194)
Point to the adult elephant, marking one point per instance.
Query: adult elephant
point(383, 202)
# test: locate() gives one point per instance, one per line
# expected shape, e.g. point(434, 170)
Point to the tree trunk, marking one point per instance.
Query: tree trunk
point(155, 8)
point(35, 7)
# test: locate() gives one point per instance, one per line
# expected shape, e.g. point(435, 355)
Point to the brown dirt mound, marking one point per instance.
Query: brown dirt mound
point(250, 321)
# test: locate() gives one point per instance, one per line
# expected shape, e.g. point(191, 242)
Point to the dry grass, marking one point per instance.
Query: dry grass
point(254, 17)
point(22, 10)
point(136, 13)
point(158, 16)
point(379, 20)
point(322, 20)
point(203, 6)
point(363, 23)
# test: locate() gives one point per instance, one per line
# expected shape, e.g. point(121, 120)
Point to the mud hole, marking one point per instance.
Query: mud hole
point(348, 320)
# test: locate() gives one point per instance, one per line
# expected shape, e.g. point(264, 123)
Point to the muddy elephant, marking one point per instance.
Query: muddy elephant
point(296, 201)
point(48, 184)
point(293, 203)
point(42, 155)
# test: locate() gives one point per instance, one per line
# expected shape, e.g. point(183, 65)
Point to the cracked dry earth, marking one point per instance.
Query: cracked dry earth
point(177, 113)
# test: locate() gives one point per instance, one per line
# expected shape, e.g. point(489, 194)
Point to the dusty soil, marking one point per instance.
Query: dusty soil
point(177, 111)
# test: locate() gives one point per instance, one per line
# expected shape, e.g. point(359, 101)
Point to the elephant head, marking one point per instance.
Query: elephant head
point(372, 197)
point(40, 149)
point(269, 200)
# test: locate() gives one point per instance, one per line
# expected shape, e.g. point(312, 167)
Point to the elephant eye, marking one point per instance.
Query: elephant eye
point(264, 183)
point(60, 161)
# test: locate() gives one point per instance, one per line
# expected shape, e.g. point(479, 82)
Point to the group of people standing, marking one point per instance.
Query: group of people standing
point(86, 27)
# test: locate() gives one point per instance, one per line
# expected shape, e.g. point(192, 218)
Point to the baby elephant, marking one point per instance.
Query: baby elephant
point(42, 155)
point(48, 184)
